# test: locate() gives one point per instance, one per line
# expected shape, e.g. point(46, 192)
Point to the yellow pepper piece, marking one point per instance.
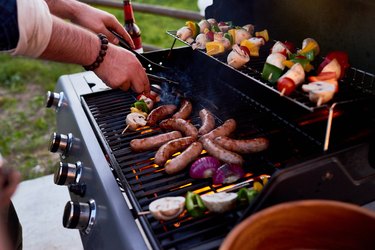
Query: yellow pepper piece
point(288, 63)
point(265, 181)
point(232, 32)
point(257, 186)
point(135, 110)
point(264, 34)
point(308, 67)
point(193, 27)
point(213, 48)
point(309, 46)
point(252, 47)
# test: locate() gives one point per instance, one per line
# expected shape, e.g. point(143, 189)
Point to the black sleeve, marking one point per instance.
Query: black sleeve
point(9, 33)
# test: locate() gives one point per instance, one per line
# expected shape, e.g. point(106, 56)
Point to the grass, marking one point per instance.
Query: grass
point(24, 122)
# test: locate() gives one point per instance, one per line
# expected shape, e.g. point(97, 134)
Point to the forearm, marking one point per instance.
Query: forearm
point(66, 9)
point(71, 44)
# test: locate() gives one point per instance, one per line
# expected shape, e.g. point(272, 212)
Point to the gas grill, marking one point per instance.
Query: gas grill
point(321, 152)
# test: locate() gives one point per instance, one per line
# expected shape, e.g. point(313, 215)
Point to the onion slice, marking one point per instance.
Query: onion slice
point(227, 173)
point(204, 167)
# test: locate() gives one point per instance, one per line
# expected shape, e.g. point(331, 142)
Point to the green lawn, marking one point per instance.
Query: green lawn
point(24, 122)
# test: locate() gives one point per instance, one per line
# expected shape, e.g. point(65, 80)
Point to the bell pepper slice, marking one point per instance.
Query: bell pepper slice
point(194, 27)
point(245, 196)
point(264, 34)
point(271, 73)
point(194, 204)
point(141, 105)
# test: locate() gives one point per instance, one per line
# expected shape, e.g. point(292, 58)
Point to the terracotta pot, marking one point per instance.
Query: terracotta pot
point(309, 224)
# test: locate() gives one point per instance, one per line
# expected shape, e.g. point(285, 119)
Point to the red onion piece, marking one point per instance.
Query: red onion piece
point(204, 167)
point(227, 173)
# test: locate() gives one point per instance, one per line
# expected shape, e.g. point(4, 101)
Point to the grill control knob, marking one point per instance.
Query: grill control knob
point(54, 99)
point(80, 215)
point(61, 143)
point(68, 173)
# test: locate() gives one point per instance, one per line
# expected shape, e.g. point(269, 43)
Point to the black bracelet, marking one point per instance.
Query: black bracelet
point(102, 53)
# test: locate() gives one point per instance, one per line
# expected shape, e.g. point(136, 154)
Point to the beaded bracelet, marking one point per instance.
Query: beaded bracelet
point(102, 53)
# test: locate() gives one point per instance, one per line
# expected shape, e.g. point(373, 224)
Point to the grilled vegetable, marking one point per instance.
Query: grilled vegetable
point(135, 120)
point(194, 205)
point(273, 68)
point(238, 57)
point(147, 99)
point(204, 167)
point(219, 202)
point(320, 92)
point(227, 173)
point(288, 82)
point(342, 59)
point(245, 196)
point(141, 105)
point(167, 208)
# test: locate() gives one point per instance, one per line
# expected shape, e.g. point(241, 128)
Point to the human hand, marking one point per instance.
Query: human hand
point(121, 69)
point(100, 21)
point(9, 179)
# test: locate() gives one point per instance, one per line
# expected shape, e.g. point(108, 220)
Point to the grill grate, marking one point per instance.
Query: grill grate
point(143, 181)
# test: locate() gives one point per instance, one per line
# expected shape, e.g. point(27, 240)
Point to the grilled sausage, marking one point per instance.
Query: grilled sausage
point(181, 161)
point(208, 122)
point(243, 146)
point(221, 153)
point(185, 110)
point(167, 150)
point(160, 113)
point(153, 142)
point(224, 130)
point(179, 124)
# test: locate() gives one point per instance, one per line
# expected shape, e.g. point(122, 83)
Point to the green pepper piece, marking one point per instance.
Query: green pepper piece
point(271, 73)
point(194, 205)
point(141, 105)
point(309, 55)
point(246, 196)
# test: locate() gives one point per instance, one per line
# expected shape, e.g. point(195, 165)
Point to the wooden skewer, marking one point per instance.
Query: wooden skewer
point(231, 61)
point(126, 128)
point(319, 102)
point(282, 92)
point(209, 51)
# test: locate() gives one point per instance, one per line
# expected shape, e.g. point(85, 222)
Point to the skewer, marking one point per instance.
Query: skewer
point(209, 51)
point(319, 102)
point(126, 128)
point(231, 61)
point(282, 92)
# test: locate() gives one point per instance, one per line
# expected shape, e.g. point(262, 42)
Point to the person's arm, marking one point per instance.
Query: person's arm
point(72, 44)
point(89, 17)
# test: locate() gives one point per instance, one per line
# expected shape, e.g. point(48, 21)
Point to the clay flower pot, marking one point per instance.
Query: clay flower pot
point(309, 224)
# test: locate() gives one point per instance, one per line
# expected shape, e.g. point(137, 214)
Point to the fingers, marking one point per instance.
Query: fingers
point(119, 29)
point(9, 183)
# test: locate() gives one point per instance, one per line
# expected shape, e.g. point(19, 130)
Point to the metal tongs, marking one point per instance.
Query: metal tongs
point(123, 43)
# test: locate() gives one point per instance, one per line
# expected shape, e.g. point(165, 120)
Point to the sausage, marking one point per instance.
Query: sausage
point(185, 110)
point(221, 153)
point(153, 142)
point(167, 150)
point(179, 124)
point(243, 146)
point(208, 122)
point(181, 161)
point(224, 130)
point(160, 113)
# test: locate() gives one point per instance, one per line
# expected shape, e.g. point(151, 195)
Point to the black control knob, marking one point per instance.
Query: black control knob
point(79, 215)
point(68, 173)
point(60, 143)
point(54, 100)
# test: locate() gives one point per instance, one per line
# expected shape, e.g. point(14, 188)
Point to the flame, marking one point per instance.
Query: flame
point(146, 131)
point(183, 186)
